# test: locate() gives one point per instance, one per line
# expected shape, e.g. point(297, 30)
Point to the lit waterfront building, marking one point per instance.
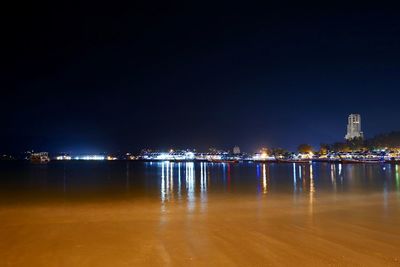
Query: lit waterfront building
point(63, 157)
point(236, 150)
point(354, 127)
point(90, 157)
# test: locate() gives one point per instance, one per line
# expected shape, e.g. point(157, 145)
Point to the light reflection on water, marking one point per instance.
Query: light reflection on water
point(265, 182)
point(306, 178)
point(194, 181)
point(312, 189)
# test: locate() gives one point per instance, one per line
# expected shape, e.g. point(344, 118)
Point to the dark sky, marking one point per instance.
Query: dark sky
point(103, 77)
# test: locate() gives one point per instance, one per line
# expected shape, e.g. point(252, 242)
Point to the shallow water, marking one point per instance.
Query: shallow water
point(201, 214)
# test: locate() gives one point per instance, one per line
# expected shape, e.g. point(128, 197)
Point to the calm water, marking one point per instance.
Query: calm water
point(187, 181)
point(198, 214)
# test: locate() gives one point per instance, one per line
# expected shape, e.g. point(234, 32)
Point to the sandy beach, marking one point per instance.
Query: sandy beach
point(334, 230)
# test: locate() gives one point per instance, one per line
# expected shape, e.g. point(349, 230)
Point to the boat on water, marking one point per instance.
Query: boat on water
point(41, 157)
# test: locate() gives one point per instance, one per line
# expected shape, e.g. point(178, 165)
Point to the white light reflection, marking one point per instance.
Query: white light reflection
point(294, 178)
point(163, 193)
point(171, 179)
point(167, 179)
point(333, 177)
point(203, 175)
point(341, 173)
point(167, 183)
point(190, 186)
point(203, 185)
point(179, 181)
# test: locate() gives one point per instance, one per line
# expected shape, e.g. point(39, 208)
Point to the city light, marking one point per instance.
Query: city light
point(189, 155)
point(263, 157)
point(90, 157)
point(63, 158)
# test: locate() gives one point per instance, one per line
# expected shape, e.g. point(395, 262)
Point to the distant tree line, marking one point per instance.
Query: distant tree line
point(388, 140)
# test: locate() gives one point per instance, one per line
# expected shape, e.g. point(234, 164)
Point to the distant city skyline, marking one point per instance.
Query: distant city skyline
point(354, 130)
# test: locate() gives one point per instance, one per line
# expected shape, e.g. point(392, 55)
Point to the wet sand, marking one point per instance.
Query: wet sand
point(231, 230)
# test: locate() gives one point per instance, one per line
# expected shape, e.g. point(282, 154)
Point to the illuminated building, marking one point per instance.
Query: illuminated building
point(63, 157)
point(90, 157)
point(263, 156)
point(181, 155)
point(305, 155)
point(236, 150)
point(41, 157)
point(354, 127)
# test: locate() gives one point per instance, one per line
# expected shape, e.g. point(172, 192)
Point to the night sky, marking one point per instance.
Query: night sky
point(96, 77)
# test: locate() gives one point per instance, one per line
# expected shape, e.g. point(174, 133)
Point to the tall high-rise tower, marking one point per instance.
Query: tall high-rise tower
point(236, 150)
point(354, 127)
